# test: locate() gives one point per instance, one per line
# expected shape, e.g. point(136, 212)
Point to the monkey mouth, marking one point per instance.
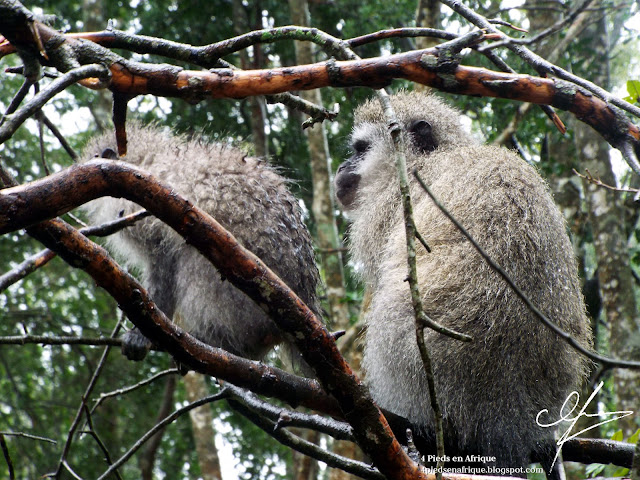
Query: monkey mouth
point(347, 188)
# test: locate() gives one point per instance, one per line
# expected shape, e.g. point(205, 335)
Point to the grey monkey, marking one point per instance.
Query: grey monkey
point(490, 390)
point(248, 198)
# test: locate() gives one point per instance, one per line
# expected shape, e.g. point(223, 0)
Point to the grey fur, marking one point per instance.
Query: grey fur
point(490, 390)
point(243, 194)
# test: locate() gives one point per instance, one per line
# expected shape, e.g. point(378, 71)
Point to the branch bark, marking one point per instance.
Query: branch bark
point(424, 66)
point(27, 205)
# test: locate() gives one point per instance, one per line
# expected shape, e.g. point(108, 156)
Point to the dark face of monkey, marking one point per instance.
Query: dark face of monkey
point(347, 178)
point(489, 390)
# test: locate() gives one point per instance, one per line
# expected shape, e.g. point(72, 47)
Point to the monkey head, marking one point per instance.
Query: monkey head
point(427, 123)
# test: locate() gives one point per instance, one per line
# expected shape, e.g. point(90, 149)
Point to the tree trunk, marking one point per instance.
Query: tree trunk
point(327, 232)
point(606, 212)
point(202, 425)
point(148, 457)
point(323, 200)
point(427, 16)
point(257, 105)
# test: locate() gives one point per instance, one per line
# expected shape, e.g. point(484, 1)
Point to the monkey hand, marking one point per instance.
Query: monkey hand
point(135, 345)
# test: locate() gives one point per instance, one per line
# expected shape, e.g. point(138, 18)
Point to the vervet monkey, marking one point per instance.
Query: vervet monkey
point(489, 390)
point(248, 198)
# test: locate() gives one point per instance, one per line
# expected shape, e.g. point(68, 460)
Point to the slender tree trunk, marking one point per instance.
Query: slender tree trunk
point(323, 209)
point(427, 16)
point(607, 216)
point(323, 200)
point(148, 457)
point(256, 104)
point(202, 425)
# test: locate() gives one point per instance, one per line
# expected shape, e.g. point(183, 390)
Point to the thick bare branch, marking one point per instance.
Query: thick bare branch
point(26, 205)
point(426, 67)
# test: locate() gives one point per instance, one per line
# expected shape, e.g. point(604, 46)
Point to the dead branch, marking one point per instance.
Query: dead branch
point(27, 205)
point(427, 67)
point(588, 177)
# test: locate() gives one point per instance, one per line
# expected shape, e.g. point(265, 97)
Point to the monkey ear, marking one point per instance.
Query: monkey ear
point(422, 135)
point(109, 153)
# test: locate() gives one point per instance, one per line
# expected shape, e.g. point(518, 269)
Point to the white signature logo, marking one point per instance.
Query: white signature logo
point(566, 417)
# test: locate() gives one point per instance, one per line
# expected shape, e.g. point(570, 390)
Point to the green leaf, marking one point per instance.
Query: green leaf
point(618, 437)
point(594, 469)
point(621, 472)
point(633, 88)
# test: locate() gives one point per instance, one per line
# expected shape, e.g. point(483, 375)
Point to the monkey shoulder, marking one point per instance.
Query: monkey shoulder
point(491, 187)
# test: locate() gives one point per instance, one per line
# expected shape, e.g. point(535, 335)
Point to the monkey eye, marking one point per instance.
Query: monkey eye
point(360, 146)
point(423, 138)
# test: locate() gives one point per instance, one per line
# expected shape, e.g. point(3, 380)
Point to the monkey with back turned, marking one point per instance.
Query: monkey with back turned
point(489, 390)
point(248, 198)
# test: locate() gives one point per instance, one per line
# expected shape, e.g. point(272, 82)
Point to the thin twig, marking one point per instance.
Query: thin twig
point(85, 397)
point(27, 435)
point(101, 445)
point(543, 34)
point(597, 181)
point(131, 388)
point(48, 340)
point(395, 132)
point(159, 426)
point(611, 362)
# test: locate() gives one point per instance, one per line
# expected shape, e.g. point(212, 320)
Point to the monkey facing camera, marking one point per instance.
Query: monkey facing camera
point(491, 389)
point(248, 198)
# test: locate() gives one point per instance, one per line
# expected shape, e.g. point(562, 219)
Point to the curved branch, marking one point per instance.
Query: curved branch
point(13, 121)
point(29, 204)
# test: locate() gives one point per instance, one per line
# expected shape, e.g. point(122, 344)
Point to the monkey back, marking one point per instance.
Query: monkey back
point(489, 390)
point(245, 196)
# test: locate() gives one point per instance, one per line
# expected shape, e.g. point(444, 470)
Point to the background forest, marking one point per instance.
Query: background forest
point(41, 386)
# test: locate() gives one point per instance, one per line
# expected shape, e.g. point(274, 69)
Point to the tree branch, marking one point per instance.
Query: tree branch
point(133, 78)
point(609, 362)
point(26, 205)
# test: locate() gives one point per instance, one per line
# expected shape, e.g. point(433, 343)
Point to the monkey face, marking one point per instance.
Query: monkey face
point(347, 177)
point(373, 154)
